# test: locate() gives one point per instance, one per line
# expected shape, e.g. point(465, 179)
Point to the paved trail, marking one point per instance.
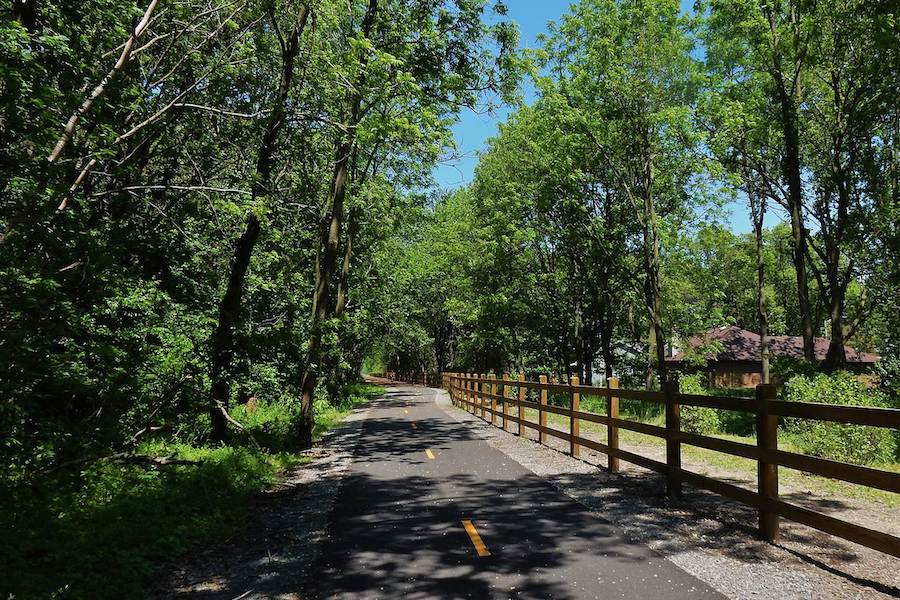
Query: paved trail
point(470, 523)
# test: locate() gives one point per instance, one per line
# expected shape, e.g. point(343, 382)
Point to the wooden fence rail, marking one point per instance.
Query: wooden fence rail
point(505, 399)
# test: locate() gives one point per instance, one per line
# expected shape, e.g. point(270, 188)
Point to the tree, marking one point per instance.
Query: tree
point(399, 105)
point(773, 37)
point(850, 98)
point(626, 71)
point(229, 308)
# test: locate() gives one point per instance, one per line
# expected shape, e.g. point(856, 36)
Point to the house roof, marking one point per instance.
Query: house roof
point(742, 345)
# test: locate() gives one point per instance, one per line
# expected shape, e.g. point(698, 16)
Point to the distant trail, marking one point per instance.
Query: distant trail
point(430, 510)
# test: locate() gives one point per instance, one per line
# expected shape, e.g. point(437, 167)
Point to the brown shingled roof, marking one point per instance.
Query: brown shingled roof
point(742, 345)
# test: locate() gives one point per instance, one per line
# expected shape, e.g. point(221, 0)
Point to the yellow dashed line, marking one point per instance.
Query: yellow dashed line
point(429, 454)
point(480, 548)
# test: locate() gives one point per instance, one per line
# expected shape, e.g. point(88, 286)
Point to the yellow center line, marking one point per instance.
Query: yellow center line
point(480, 548)
point(429, 454)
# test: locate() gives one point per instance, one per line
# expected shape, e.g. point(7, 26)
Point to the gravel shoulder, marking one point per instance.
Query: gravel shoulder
point(709, 536)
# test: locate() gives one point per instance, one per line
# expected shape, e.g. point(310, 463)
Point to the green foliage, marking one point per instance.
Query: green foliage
point(273, 424)
point(104, 531)
point(887, 370)
point(331, 411)
point(851, 443)
point(697, 419)
point(109, 302)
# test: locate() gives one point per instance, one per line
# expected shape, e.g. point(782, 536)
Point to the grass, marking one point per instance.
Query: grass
point(739, 466)
point(103, 531)
point(328, 415)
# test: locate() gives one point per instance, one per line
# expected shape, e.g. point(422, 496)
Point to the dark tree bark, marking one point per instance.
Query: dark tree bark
point(652, 287)
point(758, 213)
point(792, 168)
point(340, 304)
point(344, 282)
point(23, 12)
point(326, 264)
point(222, 351)
point(788, 96)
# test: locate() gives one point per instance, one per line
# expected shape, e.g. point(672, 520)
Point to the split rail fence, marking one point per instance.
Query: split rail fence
point(506, 400)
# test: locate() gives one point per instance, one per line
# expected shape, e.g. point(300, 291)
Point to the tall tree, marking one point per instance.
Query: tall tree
point(850, 95)
point(625, 70)
point(413, 65)
point(774, 36)
point(222, 343)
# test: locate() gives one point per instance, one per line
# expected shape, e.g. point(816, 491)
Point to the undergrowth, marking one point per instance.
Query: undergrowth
point(104, 529)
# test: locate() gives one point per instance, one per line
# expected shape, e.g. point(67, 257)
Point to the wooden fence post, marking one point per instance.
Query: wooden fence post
point(451, 380)
point(612, 431)
point(542, 414)
point(479, 385)
point(767, 473)
point(673, 443)
point(505, 396)
point(521, 395)
point(493, 393)
point(574, 423)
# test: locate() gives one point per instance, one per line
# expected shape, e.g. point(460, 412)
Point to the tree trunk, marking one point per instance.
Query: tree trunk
point(789, 101)
point(837, 351)
point(838, 276)
point(836, 357)
point(651, 265)
point(223, 338)
point(344, 281)
point(758, 210)
point(330, 238)
point(798, 233)
point(340, 304)
point(222, 352)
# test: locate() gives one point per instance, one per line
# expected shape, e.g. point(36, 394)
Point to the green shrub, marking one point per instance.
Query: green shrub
point(887, 370)
point(274, 425)
point(697, 419)
point(331, 410)
point(851, 443)
point(593, 404)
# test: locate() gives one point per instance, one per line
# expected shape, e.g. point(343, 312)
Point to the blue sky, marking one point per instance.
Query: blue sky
point(474, 129)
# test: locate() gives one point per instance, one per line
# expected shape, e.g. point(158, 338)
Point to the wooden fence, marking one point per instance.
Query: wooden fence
point(482, 395)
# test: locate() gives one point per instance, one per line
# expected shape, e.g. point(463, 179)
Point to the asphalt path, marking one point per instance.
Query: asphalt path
point(430, 510)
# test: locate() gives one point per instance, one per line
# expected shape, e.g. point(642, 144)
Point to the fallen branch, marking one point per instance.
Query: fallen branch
point(143, 459)
point(238, 425)
point(125, 457)
point(185, 188)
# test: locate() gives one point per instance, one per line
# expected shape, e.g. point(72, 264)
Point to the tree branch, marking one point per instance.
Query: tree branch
point(98, 91)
